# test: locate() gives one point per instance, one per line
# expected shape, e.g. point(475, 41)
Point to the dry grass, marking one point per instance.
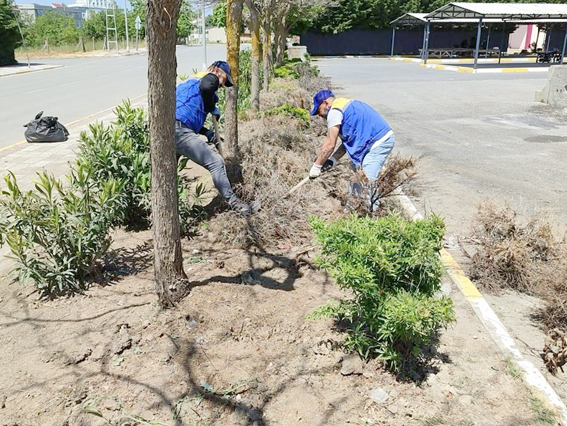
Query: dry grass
point(513, 253)
point(398, 173)
point(526, 255)
point(276, 153)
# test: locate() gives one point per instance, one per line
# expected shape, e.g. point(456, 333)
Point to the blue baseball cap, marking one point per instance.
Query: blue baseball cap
point(226, 68)
point(319, 97)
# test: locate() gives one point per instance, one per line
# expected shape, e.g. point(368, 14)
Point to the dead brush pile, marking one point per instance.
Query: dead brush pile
point(525, 255)
point(276, 152)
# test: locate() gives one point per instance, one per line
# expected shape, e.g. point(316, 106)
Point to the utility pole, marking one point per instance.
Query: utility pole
point(138, 25)
point(204, 38)
point(126, 23)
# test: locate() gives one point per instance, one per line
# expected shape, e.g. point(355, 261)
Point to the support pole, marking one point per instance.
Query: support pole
point(204, 38)
point(564, 43)
point(548, 38)
point(426, 43)
point(422, 55)
point(393, 39)
point(477, 48)
point(504, 40)
point(487, 43)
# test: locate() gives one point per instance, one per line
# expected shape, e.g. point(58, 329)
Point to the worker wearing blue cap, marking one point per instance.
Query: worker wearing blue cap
point(195, 98)
point(366, 137)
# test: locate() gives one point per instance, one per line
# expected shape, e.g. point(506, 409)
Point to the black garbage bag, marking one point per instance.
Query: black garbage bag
point(45, 129)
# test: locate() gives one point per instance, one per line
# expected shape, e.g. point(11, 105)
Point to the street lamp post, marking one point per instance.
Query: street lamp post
point(126, 23)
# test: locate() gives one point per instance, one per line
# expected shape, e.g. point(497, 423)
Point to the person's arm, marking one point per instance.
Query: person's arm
point(208, 87)
point(328, 146)
point(326, 151)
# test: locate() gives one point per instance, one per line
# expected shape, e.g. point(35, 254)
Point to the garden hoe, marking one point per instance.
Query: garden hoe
point(296, 187)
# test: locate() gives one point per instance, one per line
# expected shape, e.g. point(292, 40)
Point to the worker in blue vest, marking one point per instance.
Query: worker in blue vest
point(195, 98)
point(366, 137)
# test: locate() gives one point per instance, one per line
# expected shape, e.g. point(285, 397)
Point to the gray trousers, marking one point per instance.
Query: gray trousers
point(189, 144)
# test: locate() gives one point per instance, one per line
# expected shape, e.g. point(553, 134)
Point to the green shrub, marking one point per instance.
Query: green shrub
point(393, 269)
point(122, 152)
point(58, 234)
point(289, 111)
point(294, 68)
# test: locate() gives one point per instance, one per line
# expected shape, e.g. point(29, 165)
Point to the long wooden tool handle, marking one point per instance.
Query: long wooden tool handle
point(217, 135)
point(296, 187)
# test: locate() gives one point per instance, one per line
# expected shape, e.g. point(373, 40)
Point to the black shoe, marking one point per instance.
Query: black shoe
point(243, 208)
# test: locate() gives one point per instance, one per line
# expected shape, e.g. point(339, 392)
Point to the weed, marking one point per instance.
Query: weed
point(541, 412)
point(512, 369)
point(393, 269)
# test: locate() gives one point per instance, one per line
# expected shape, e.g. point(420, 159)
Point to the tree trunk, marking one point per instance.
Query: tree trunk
point(233, 20)
point(254, 26)
point(162, 65)
point(280, 32)
point(267, 49)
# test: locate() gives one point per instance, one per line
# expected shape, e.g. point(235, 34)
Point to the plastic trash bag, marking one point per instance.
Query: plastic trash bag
point(45, 129)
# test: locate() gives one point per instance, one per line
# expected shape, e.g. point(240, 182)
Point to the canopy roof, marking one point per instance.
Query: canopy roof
point(505, 11)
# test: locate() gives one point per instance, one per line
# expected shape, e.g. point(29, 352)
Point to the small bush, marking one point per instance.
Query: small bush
point(59, 234)
point(393, 269)
point(290, 111)
point(122, 152)
point(295, 68)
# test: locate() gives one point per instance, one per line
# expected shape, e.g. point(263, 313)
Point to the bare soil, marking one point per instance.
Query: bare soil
point(237, 351)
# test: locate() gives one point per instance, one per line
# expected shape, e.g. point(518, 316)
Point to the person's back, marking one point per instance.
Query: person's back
point(361, 126)
point(189, 105)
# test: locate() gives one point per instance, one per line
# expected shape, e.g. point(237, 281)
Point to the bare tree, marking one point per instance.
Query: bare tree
point(233, 21)
point(162, 68)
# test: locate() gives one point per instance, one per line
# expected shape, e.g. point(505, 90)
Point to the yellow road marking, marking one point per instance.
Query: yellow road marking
point(467, 287)
point(515, 70)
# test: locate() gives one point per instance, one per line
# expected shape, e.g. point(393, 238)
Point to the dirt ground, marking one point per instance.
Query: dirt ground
point(237, 351)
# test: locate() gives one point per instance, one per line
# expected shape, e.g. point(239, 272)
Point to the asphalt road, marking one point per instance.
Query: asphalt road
point(482, 135)
point(83, 86)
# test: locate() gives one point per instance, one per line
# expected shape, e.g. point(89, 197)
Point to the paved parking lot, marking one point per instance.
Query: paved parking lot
point(482, 135)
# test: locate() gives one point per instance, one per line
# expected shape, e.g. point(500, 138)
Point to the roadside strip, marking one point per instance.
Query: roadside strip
point(533, 377)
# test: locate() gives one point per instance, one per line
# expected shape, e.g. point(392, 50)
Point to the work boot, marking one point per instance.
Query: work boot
point(241, 207)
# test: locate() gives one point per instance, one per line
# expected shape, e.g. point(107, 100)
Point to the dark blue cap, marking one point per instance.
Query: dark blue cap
point(319, 97)
point(226, 68)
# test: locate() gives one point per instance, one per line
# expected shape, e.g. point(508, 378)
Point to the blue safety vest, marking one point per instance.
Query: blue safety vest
point(360, 128)
point(189, 104)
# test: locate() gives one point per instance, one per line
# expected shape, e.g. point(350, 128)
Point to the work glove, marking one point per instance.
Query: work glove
point(329, 164)
point(315, 171)
point(211, 138)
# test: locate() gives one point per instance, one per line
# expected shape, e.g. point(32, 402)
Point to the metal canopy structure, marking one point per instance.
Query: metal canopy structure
point(458, 13)
point(505, 11)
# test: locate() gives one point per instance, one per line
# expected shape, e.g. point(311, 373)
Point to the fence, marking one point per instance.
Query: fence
point(408, 41)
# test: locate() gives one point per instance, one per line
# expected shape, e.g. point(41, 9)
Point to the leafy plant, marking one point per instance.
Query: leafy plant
point(122, 152)
point(393, 269)
point(59, 234)
point(290, 111)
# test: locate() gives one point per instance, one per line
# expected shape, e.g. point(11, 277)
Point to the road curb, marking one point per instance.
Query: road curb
point(22, 69)
point(533, 377)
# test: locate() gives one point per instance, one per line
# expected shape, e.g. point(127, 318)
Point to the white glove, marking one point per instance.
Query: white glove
point(315, 171)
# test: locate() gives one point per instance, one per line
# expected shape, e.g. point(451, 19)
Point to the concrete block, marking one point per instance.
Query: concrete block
point(555, 91)
point(297, 52)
